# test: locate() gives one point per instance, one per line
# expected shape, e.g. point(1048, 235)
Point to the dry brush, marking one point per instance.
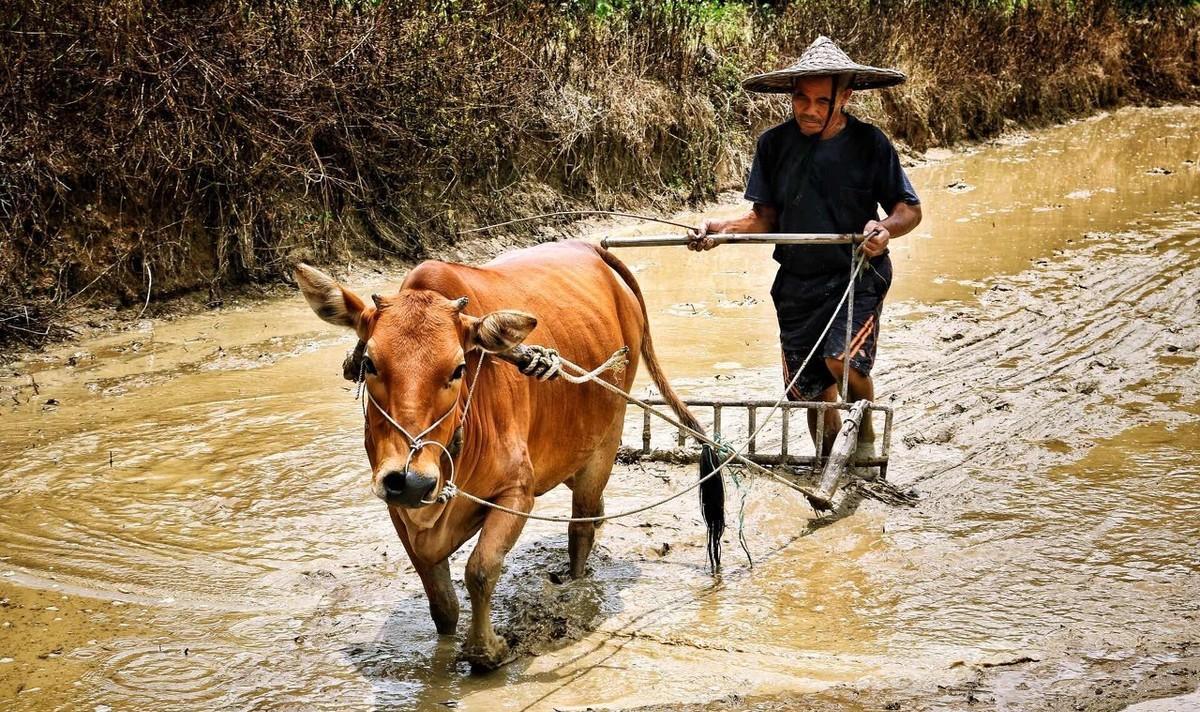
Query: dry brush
point(183, 146)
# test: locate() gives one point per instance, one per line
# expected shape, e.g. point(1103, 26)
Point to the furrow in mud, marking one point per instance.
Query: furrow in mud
point(1098, 342)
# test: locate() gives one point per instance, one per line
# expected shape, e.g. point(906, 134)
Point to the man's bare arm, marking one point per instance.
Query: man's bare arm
point(900, 220)
point(760, 218)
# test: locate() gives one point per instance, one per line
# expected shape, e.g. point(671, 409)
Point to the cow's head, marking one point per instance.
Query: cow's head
point(415, 367)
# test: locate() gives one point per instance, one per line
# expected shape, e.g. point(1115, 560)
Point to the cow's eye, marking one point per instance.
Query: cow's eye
point(458, 372)
point(369, 366)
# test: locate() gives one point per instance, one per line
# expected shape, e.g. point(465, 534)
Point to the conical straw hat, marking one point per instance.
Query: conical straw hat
point(823, 58)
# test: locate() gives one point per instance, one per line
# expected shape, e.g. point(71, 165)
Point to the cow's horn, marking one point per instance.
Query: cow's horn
point(378, 301)
point(460, 304)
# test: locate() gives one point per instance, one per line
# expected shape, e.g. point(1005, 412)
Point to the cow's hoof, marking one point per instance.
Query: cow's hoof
point(486, 655)
point(567, 574)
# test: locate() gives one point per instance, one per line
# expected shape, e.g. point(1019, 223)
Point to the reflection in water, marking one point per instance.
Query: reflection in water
point(189, 525)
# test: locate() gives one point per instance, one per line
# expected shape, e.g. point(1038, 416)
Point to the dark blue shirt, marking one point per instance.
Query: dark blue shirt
point(830, 186)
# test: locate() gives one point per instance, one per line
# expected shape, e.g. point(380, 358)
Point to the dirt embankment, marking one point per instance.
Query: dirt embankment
point(149, 152)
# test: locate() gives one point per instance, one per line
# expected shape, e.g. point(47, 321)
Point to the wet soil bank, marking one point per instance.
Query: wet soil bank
point(186, 522)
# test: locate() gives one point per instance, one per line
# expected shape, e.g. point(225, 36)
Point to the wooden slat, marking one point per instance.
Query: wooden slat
point(746, 238)
point(783, 435)
point(751, 417)
point(820, 446)
point(783, 457)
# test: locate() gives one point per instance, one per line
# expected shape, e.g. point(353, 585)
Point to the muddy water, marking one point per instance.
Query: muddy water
point(990, 212)
point(186, 522)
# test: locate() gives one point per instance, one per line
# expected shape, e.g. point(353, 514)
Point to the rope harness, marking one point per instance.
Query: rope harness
point(417, 442)
point(547, 363)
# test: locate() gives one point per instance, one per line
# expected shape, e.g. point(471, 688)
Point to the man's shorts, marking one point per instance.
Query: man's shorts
point(803, 305)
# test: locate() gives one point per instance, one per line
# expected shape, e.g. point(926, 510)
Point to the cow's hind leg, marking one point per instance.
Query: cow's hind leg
point(483, 648)
point(443, 601)
point(587, 500)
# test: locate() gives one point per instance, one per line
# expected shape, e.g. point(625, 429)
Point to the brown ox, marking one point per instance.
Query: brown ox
point(521, 437)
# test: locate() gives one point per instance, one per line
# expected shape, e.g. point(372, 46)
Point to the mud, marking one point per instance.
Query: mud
point(1058, 470)
point(186, 522)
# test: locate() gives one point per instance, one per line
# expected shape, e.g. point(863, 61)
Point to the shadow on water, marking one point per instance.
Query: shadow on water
point(536, 608)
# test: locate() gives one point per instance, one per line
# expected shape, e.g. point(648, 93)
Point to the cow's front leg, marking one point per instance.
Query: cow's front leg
point(439, 589)
point(483, 648)
point(443, 601)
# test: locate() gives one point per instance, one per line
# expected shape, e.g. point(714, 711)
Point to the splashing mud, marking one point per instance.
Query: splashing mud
point(186, 522)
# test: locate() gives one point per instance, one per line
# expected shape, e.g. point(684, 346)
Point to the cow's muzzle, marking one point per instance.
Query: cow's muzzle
point(406, 488)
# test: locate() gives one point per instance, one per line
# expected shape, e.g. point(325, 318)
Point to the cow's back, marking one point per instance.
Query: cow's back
point(586, 312)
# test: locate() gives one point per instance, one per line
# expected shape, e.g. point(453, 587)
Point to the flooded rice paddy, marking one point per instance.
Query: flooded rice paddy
point(186, 521)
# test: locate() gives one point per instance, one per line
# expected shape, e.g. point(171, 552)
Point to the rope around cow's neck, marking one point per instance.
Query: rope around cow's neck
point(615, 361)
point(858, 260)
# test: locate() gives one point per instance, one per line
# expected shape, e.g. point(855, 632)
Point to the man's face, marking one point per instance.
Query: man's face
point(810, 103)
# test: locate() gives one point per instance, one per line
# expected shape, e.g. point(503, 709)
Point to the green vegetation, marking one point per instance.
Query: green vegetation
point(198, 145)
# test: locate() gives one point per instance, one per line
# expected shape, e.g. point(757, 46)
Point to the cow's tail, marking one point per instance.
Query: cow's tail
point(712, 486)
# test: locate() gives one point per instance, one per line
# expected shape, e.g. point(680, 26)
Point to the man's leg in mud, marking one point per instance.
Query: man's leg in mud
point(833, 421)
point(861, 388)
point(811, 386)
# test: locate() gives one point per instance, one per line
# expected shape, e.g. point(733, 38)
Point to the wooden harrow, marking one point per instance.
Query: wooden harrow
point(785, 451)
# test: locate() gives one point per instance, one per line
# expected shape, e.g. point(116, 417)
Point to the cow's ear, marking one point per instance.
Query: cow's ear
point(330, 300)
point(499, 331)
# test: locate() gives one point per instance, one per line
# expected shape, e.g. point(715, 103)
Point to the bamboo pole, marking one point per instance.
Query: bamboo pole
point(752, 238)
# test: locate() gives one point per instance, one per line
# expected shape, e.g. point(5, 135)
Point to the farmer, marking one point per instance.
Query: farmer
point(824, 171)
